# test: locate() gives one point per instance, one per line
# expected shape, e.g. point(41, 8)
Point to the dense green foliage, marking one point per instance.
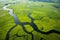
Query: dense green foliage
point(46, 15)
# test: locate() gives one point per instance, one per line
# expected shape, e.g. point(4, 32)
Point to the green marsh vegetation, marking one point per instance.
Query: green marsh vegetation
point(6, 22)
point(46, 16)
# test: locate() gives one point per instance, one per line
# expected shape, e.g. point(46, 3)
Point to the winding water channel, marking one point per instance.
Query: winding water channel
point(11, 13)
point(18, 22)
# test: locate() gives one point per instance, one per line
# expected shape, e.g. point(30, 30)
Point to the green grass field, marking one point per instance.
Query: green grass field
point(46, 16)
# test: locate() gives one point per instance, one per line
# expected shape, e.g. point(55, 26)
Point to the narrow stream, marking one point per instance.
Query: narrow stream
point(11, 13)
point(16, 21)
point(32, 24)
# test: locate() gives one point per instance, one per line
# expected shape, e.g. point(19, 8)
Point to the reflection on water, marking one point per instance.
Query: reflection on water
point(11, 13)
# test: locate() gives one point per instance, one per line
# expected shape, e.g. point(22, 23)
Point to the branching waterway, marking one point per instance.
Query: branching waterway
point(18, 22)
